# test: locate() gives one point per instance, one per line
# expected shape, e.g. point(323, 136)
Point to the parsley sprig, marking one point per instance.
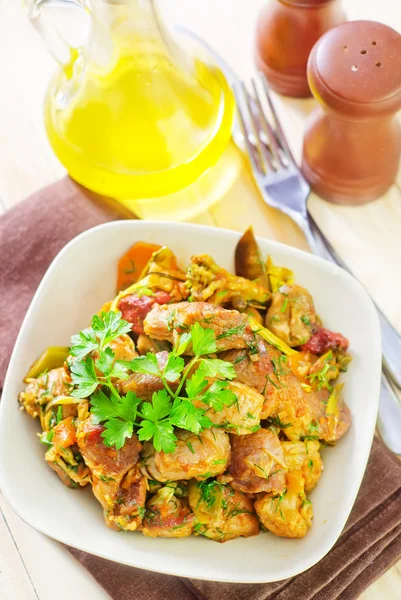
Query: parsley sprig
point(95, 369)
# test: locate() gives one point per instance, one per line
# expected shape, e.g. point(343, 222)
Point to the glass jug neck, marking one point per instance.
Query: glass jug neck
point(133, 30)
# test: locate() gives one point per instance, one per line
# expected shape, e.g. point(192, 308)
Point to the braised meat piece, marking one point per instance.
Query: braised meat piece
point(117, 481)
point(298, 410)
point(196, 456)
point(231, 328)
point(292, 316)
point(257, 463)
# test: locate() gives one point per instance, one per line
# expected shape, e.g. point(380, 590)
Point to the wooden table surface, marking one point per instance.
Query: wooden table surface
point(32, 565)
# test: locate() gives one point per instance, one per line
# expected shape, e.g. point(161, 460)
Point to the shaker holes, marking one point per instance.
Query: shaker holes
point(378, 64)
point(374, 43)
point(364, 51)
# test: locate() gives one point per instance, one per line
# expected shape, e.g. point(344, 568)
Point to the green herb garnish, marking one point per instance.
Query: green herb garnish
point(153, 421)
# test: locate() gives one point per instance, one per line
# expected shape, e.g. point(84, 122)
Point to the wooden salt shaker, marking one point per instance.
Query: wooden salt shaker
point(352, 144)
point(286, 33)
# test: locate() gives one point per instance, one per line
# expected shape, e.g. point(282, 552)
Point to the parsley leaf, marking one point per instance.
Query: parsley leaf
point(116, 432)
point(102, 407)
point(203, 340)
point(128, 406)
point(83, 343)
point(196, 384)
point(182, 344)
point(162, 434)
point(215, 367)
point(159, 408)
point(186, 416)
point(217, 396)
point(146, 364)
point(83, 375)
point(105, 361)
point(173, 367)
point(108, 326)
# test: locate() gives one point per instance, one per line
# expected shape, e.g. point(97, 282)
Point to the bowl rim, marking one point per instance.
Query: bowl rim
point(310, 259)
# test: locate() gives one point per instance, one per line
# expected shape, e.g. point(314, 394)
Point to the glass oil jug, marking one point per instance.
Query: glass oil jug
point(134, 117)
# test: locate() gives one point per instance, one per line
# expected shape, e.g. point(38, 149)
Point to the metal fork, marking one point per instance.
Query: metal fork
point(283, 187)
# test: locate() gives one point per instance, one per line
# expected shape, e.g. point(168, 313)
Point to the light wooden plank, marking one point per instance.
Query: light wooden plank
point(14, 580)
point(368, 237)
point(45, 560)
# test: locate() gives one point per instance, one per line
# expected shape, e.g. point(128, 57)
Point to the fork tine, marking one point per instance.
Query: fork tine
point(264, 157)
point(268, 131)
point(281, 135)
point(239, 90)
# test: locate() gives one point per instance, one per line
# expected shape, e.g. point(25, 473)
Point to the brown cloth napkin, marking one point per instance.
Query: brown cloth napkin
point(31, 235)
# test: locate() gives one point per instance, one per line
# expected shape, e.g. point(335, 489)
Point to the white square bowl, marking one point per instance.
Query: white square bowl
point(80, 279)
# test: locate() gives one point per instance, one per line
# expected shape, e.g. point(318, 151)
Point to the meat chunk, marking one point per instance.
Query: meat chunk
point(299, 411)
point(290, 514)
point(253, 373)
point(231, 328)
point(144, 385)
point(117, 482)
point(222, 512)
point(304, 457)
point(292, 316)
point(257, 463)
point(196, 456)
point(123, 348)
point(128, 509)
point(167, 516)
point(242, 416)
point(145, 344)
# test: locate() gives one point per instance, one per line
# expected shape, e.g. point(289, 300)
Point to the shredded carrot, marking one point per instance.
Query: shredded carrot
point(132, 263)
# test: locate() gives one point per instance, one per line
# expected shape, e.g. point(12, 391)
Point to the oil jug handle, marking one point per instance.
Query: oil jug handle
point(55, 42)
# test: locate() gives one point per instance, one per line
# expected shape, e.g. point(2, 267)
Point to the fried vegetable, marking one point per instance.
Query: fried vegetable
point(222, 512)
point(290, 514)
point(208, 282)
point(167, 516)
point(63, 455)
point(291, 316)
point(324, 370)
point(161, 273)
point(304, 457)
point(133, 262)
point(248, 259)
point(52, 358)
point(271, 338)
point(42, 391)
point(278, 276)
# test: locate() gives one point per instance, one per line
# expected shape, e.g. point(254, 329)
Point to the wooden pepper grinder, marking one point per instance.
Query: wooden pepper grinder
point(286, 32)
point(352, 143)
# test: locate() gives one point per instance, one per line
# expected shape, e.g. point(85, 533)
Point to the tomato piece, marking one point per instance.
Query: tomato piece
point(134, 308)
point(324, 340)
